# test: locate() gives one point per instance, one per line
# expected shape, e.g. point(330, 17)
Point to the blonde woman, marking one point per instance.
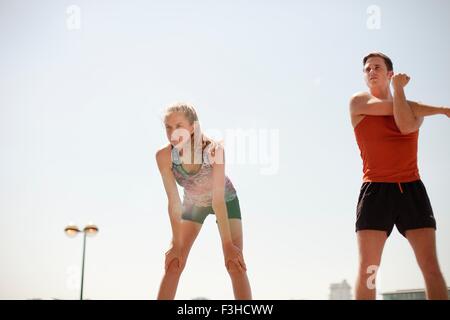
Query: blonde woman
point(197, 164)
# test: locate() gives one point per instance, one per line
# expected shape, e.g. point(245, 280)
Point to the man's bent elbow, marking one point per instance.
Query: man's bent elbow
point(408, 129)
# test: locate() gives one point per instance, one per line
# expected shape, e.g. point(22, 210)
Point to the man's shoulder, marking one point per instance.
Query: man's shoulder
point(359, 100)
point(362, 95)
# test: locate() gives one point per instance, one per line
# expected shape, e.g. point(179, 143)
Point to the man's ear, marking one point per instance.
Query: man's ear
point(390, 74)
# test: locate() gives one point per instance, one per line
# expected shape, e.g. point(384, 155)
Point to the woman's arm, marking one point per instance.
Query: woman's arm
point(232, 253)
point(218, 195)
point(174, 203)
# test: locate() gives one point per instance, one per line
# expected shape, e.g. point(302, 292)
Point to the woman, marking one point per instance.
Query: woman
point(196, 163)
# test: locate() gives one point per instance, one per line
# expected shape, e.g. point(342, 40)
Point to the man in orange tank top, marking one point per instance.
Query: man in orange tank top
point(386, 127)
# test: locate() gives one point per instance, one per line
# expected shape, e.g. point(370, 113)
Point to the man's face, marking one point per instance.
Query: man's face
point(376, 74)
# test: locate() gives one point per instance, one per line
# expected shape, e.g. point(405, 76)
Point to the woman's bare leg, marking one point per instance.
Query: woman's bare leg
point(169, 284)
point(239, 279)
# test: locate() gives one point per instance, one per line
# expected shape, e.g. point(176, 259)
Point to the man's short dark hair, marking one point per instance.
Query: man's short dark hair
point(387, 60)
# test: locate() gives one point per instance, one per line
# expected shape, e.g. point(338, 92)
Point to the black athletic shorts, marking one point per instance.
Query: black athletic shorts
point(381, 205)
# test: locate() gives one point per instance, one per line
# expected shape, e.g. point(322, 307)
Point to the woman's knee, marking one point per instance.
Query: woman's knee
point(175, 267)
point(234, 269)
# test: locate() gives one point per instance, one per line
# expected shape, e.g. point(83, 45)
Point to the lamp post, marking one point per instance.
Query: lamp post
point(89, 230)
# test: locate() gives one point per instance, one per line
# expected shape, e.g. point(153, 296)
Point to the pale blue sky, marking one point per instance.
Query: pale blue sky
point(80, 121)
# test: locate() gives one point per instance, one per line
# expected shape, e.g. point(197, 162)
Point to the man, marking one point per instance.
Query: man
point(386, 127)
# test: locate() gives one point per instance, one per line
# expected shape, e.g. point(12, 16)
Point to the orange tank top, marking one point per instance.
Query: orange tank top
point(387, 154)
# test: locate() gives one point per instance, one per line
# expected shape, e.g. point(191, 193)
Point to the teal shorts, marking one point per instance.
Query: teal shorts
point(199, 214)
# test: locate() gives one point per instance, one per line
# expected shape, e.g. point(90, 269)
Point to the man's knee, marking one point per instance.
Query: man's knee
point(430, 268)
point(368, 275)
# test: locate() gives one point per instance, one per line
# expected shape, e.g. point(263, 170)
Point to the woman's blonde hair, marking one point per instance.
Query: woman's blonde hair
point(185, 108)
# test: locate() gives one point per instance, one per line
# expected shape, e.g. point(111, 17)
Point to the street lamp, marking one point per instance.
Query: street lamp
point(89, 230)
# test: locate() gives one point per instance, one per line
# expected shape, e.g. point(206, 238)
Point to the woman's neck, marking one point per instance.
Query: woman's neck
point(196, 151)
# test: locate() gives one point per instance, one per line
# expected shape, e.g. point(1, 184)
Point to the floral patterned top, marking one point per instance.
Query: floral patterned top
point(198, 186)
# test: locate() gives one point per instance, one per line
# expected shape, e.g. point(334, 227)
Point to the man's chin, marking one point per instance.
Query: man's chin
point(374, 84)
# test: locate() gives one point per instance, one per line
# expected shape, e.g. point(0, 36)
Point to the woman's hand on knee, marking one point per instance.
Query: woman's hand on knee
point(234, 259)
point(174, 255)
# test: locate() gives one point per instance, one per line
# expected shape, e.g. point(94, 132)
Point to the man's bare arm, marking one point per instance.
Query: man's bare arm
point(365, 104)
point(404, 116)
point(424, 110)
